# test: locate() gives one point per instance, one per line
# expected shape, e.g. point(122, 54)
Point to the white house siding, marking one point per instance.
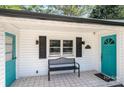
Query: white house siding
point(2, 60)
point(29, 51)
point(6, 27)
point(121, 57)
point(10, 28)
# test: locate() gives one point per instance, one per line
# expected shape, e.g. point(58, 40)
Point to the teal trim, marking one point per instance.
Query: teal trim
point(108, 61)
point(14, 46)
point(10, 65)
point(9, 34)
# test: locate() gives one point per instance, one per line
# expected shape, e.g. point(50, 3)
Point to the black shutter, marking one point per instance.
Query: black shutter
point(78, 47)
point(42, 46)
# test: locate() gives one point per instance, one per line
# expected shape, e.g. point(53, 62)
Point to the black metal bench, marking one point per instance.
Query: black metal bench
point(61, 64)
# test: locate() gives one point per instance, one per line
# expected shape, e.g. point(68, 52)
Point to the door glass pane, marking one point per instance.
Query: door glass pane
point(109, 41)
point(8, 40)
point(8, 56)
point(9, 48)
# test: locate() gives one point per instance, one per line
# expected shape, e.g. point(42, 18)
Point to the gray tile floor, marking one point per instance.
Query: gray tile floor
point(87, 79)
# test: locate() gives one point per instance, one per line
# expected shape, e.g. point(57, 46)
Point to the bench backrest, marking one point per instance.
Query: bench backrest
point(61, 60)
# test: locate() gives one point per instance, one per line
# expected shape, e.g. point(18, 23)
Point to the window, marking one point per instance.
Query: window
point(9, 48)
point(67, 47)
point(54, 47)
point(109, 41)
point(61, 48)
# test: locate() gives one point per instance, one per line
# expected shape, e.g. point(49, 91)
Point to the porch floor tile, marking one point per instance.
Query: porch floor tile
point(87, 79)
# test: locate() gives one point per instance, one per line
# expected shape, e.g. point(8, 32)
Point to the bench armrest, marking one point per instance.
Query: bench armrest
point(77, 64)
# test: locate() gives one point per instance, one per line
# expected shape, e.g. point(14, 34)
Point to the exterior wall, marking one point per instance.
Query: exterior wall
point(28, 53)
point(10, 28)
point(2, 60)
point(29, 60)
point(121, 57)
point(5, 27)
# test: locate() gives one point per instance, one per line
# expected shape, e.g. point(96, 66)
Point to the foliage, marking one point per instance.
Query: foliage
point(15, 7)
point(98, 11)
point(108, 12)
point(68, 10)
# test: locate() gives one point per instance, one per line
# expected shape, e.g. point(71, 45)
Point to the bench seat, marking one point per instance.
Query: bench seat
point(63, 68)
point(62, 64)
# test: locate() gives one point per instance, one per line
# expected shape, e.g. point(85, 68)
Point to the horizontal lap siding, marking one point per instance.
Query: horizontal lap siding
point(29, 60)
point(29, 55)
point(90, 57)
point(2, 60)
point(120, 65)
point(28, 52)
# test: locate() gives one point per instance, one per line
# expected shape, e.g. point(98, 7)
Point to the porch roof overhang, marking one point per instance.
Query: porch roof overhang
point(42, 16)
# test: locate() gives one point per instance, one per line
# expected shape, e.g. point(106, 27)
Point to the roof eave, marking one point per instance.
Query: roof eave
point(34, 15)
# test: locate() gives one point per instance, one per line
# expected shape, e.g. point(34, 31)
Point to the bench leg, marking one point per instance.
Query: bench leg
point(74, 70)
point(48, 75)
point(79, 72)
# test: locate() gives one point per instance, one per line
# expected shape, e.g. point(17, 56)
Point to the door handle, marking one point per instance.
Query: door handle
point(14, 58)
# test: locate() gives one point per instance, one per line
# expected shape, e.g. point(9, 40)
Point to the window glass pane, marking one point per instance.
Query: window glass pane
point(8, 40)
point(67, 47)
point(8, 56)
point(109, 41)
point(54, 47)
point(54, 51)
point(54, 43)
point(9, 48)
point(67, 50)
point(67, 43)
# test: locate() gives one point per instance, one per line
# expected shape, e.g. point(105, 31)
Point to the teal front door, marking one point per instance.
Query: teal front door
point(108, 56)
point(10, 51)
